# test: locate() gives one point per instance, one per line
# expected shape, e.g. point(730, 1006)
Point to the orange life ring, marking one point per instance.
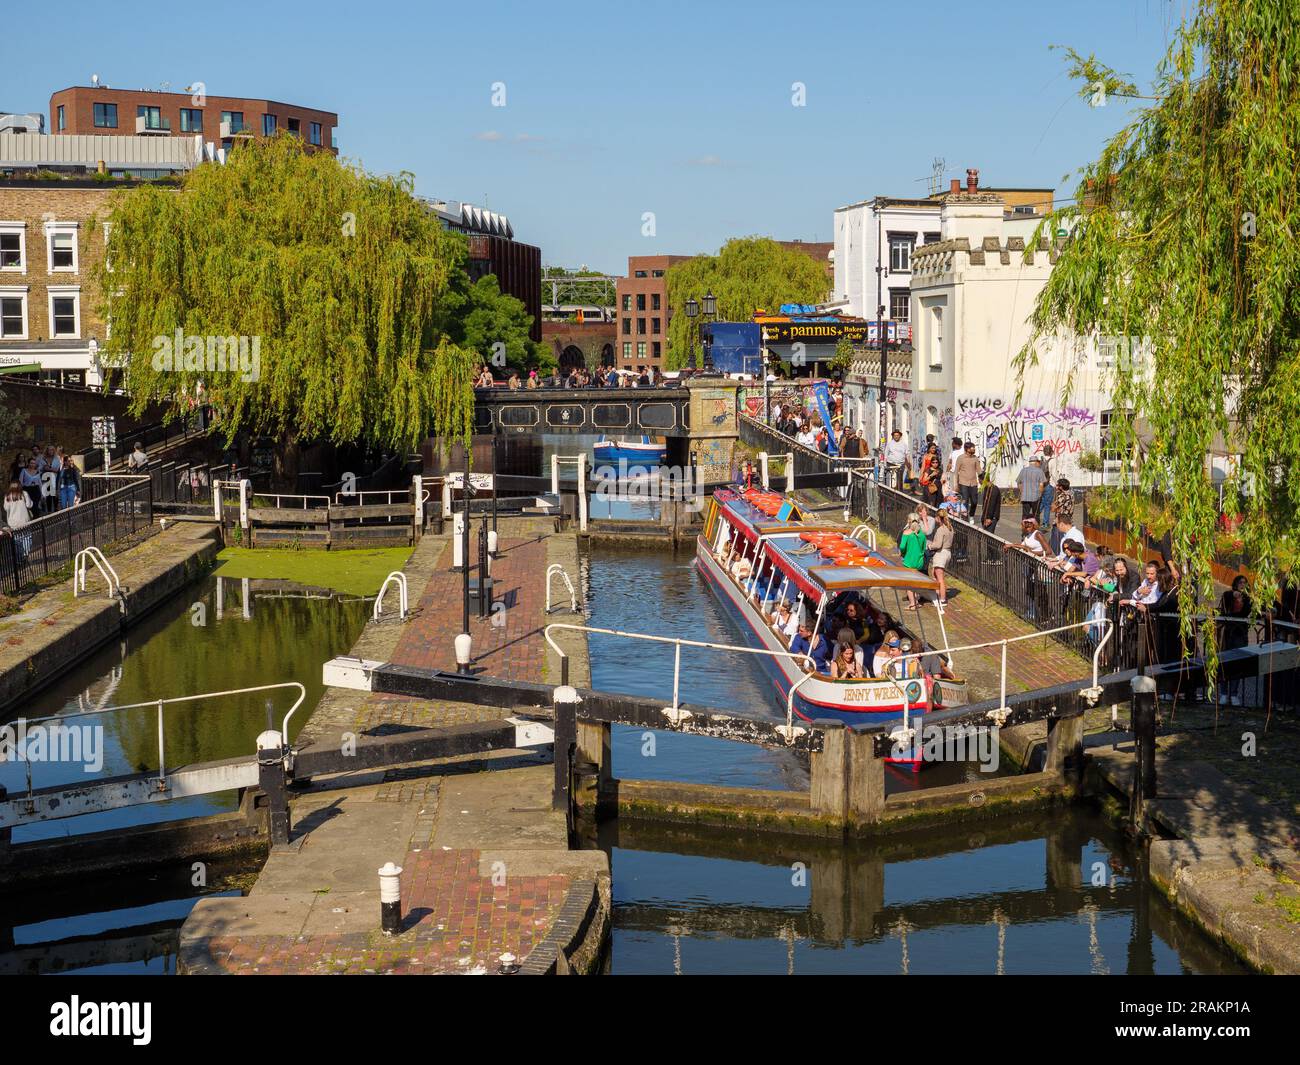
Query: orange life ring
point(851, 562)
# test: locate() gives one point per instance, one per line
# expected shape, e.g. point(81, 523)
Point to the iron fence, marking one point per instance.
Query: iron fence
point(111, 508)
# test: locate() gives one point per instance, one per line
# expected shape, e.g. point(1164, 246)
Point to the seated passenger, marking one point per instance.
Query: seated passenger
point(805, 643)
point(742, 568)
point(845, 664)
point(780, 618)
point(886, 663)
point(724, 556)
point(846, 635)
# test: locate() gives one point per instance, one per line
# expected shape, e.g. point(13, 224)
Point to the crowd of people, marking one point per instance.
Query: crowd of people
point(41, 482)
point(575, 377)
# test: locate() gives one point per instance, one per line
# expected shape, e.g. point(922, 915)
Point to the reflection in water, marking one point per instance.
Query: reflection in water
point(1054, 894)
point(216, 636)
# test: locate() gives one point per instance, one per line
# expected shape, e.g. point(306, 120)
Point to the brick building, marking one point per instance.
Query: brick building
point(641, 307)
point(51, 237)
point(219, 119)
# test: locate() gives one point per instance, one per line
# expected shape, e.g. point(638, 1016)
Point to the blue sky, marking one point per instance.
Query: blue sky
point(617, 109)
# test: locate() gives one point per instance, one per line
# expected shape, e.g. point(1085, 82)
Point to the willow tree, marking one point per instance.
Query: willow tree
point(1182, 248)
point(746, 274)
point(295, 294)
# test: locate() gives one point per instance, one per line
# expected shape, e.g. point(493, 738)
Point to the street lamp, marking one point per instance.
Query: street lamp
point(692, 312)
point(710, 308)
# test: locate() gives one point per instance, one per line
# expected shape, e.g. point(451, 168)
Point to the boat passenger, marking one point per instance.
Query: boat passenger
point(805, 643)
point(781, 617)
point(742, 568)
point(724, 556)
point(845, 664)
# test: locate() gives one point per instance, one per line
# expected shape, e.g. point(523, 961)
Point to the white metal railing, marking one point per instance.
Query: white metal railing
point(160, 703)
point(866, 532)
point(399, 578)
point(95, 555)
point(360, 497)
point(1091, 694)
point(678, 643)
point(279, 498)
point(551, 571)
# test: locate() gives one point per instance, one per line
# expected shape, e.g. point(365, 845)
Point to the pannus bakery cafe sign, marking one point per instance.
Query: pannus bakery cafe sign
point(778, 332)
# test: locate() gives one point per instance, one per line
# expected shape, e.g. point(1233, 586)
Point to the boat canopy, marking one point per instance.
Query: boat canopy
point(802, 560)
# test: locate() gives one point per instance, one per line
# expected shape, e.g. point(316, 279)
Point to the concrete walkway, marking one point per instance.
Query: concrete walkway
point(487, 868)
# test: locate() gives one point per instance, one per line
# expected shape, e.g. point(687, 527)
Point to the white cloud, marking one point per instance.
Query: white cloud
point(487, 135)
point(705, 160)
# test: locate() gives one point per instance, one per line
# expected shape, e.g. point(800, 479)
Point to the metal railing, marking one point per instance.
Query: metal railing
point(106, 570)
point(113, 507)
point(551, 570)
point(678, 643)
point(399, 578)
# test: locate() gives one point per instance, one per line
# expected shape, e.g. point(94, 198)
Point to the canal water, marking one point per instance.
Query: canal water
point(1047, 894)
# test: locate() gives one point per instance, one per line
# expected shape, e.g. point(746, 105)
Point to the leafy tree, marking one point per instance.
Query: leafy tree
point(480, 316)
point(334, 279)
point(1182, 237)
point(747, 273)
point(844, 354)
point(13, 424)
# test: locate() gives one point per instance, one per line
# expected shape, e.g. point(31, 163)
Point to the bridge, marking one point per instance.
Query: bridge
point(657, 411)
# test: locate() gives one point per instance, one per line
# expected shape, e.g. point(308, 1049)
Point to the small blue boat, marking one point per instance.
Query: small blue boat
point(642, 453)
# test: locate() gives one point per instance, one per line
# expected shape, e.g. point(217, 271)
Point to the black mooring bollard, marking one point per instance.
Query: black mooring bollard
point(390, 899)
point(272, 780)
point(565, 701)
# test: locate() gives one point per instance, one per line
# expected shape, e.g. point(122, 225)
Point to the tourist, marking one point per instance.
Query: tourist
point(1147, 594)
point(1068, 531)
point(1030, 485)
point(741, 568)
point(15, 516)
point(849, 444)
point(926, 519)
point(845, 664)
point(30, 482)
point(806, 643)
point(911, 545)
point(885, 662)
point(139, 458)
point(966, 472)
point(513, 382)
point(953, 455)
point(1032, 542)
point(532, 379)
point(929, 476)
point(69, 485)
point(992, 509)
point(1233, 632)
point(898, 460)
point(941, 545)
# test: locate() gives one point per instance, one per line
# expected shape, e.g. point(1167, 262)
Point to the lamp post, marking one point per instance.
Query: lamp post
point(709, 306)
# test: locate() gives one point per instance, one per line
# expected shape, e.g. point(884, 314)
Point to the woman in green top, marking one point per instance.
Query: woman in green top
point(912, 546)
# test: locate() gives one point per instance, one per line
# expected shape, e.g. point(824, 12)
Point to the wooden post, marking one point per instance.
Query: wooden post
point(1064, 744)
point(866, 778)
point(830, 771)
point(594, 747)
point(1144, 735)
point(565, 702)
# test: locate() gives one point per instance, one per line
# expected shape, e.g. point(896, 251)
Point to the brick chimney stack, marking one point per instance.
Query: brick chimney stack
point(956, 186)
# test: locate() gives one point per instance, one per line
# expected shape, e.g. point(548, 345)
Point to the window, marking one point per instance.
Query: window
point(191, 120)
point(13, 250)
point(627, 326)
point(295, 126)
point(936, 338)
point(152, 116)
point(899, 302)
point(106, 116)
point(640, 327)
point(62, 121)
point(900, 252)
point(13, 313)
point(268, 125)
point(654, 301)
point(656, 273)
point(640, 273)
point(932, 238)
point(314, 135)
point(640, 301)
point(627, 349)
point(235, 119)
point(627, 303)
point(640, 350)
point(65, 312)
point(655, 347)
point(61, 242)
point(654, 326)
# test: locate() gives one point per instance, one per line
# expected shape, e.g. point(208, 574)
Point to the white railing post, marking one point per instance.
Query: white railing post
point(789, 472)
point(762, 469)
point(162, 751)
point(417, 501)
point(555, 475)
point(582, 493)
point(1002, 704)
point(216, 500)
point(244, 486)
point(677, 674)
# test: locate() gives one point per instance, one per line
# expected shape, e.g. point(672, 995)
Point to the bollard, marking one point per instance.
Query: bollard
point(484, 600)
point(565, 701)
point(464, 650)
point(1144, 745)
point(508, 964)
point(390, 899)
point(271, 779)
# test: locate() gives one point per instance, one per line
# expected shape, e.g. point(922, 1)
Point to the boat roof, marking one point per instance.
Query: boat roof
point(802, 562)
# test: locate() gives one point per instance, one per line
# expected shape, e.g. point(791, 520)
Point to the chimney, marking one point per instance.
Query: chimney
point(972, 180)
point(956, 186)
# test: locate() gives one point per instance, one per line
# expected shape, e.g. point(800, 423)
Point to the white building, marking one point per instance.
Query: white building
point(972, 295)
point(869, 233)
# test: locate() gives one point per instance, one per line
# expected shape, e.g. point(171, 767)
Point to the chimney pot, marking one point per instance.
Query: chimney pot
point(972, 180)
point(956, 185)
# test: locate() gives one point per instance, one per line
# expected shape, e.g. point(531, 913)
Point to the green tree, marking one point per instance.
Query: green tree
point(746, 274)
point(335, 278)
point(844, 354)
point(13, 424)
point(1182, 237)
point(480, 316)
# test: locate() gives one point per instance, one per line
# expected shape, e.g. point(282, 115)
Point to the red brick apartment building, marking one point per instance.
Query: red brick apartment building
point(641, 307)
point(219, 119)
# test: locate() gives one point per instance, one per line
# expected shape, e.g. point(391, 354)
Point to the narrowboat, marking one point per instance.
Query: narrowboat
point(641, 453)
point(758, 549)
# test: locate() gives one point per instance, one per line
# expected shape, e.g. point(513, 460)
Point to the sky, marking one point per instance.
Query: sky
point(577, 120)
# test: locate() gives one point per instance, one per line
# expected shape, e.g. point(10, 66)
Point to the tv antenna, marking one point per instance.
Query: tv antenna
point(936, 175)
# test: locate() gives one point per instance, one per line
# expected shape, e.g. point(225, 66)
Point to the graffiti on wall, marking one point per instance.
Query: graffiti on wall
point(1010, 434)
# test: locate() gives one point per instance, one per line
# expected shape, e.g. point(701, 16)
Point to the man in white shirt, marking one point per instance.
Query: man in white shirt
point(898, 460)
point(1068, 532)
point(807, 437)
point(958, 449)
